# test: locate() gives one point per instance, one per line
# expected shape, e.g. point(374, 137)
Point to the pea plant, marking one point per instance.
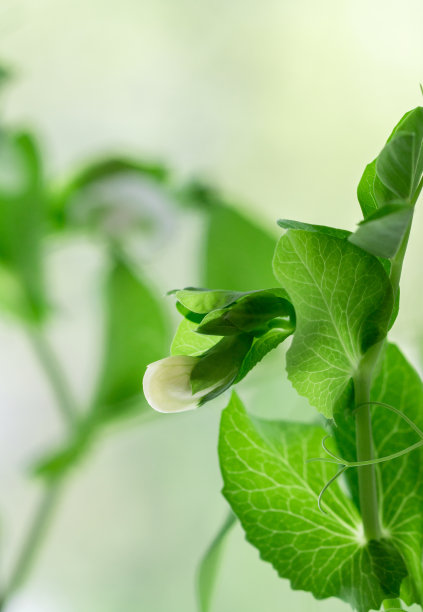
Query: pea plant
point(336, 507)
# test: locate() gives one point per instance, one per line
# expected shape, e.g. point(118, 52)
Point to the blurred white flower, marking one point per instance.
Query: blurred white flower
point(167, 385)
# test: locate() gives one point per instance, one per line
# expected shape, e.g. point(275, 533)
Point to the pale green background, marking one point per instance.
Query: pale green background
point(280, 103)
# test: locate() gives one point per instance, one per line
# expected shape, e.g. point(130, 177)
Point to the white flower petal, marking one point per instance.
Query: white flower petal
point(167, 386)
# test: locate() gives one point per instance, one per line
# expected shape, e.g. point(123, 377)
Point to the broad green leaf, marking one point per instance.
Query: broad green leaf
point(372, 192)
point(22, 220)
point(401, 479)
point(209, 565)
point(273, 492)
point(135, 335)
point(188, 342)
point(394, 166)
point(400, 163)
point(202, 301)
point(260, 347)
point(382, 233)
point(322, 229)
point(343, 302)
point(251, 313)
point(238, 252)
point(219, 366)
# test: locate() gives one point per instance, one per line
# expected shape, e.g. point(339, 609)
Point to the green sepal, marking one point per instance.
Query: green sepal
point(250, 314)
point(187, 342)
point(260, 347)
point(202, 301)
point(219, 366)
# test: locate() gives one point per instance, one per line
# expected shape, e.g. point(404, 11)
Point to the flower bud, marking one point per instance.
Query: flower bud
point(167, 385)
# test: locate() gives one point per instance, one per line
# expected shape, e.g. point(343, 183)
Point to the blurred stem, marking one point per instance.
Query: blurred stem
point(54, 372)
point(33, 540)
point(45, 510)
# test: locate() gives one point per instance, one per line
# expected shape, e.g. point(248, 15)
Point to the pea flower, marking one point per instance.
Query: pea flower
point(167, 385)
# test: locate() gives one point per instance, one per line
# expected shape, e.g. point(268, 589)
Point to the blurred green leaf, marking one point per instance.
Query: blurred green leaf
point(238, 252)
point(5, 75)
point(88, 201)
point(136, 334)
point(55, 464)
point(22, 225)
point(209, 565)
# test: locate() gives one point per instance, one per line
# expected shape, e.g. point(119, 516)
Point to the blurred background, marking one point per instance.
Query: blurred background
point(278, 106)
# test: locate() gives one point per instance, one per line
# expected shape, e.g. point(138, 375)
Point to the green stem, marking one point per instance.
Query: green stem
point(390, 604)
point(59, 384)
point(367, 483)
point(33, 540)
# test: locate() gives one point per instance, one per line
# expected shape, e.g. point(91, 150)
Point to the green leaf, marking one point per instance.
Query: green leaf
point(322, 229)
point(273, 492)
point(382, 233)
point(390, 167)
point(209, 565)
point(401, 480)
point(260, 347)
point(394, 166)
point(251, 313)
point(366, 191)
point(22, 212)
point(219, 366)
point(400, 163)
point(343, 302)
point(238, 252)
point(135, 335)
point(188, 342)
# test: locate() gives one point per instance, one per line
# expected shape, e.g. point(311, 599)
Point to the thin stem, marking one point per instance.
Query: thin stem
point(45, 510)
point(54, 372)
point(33, 540)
